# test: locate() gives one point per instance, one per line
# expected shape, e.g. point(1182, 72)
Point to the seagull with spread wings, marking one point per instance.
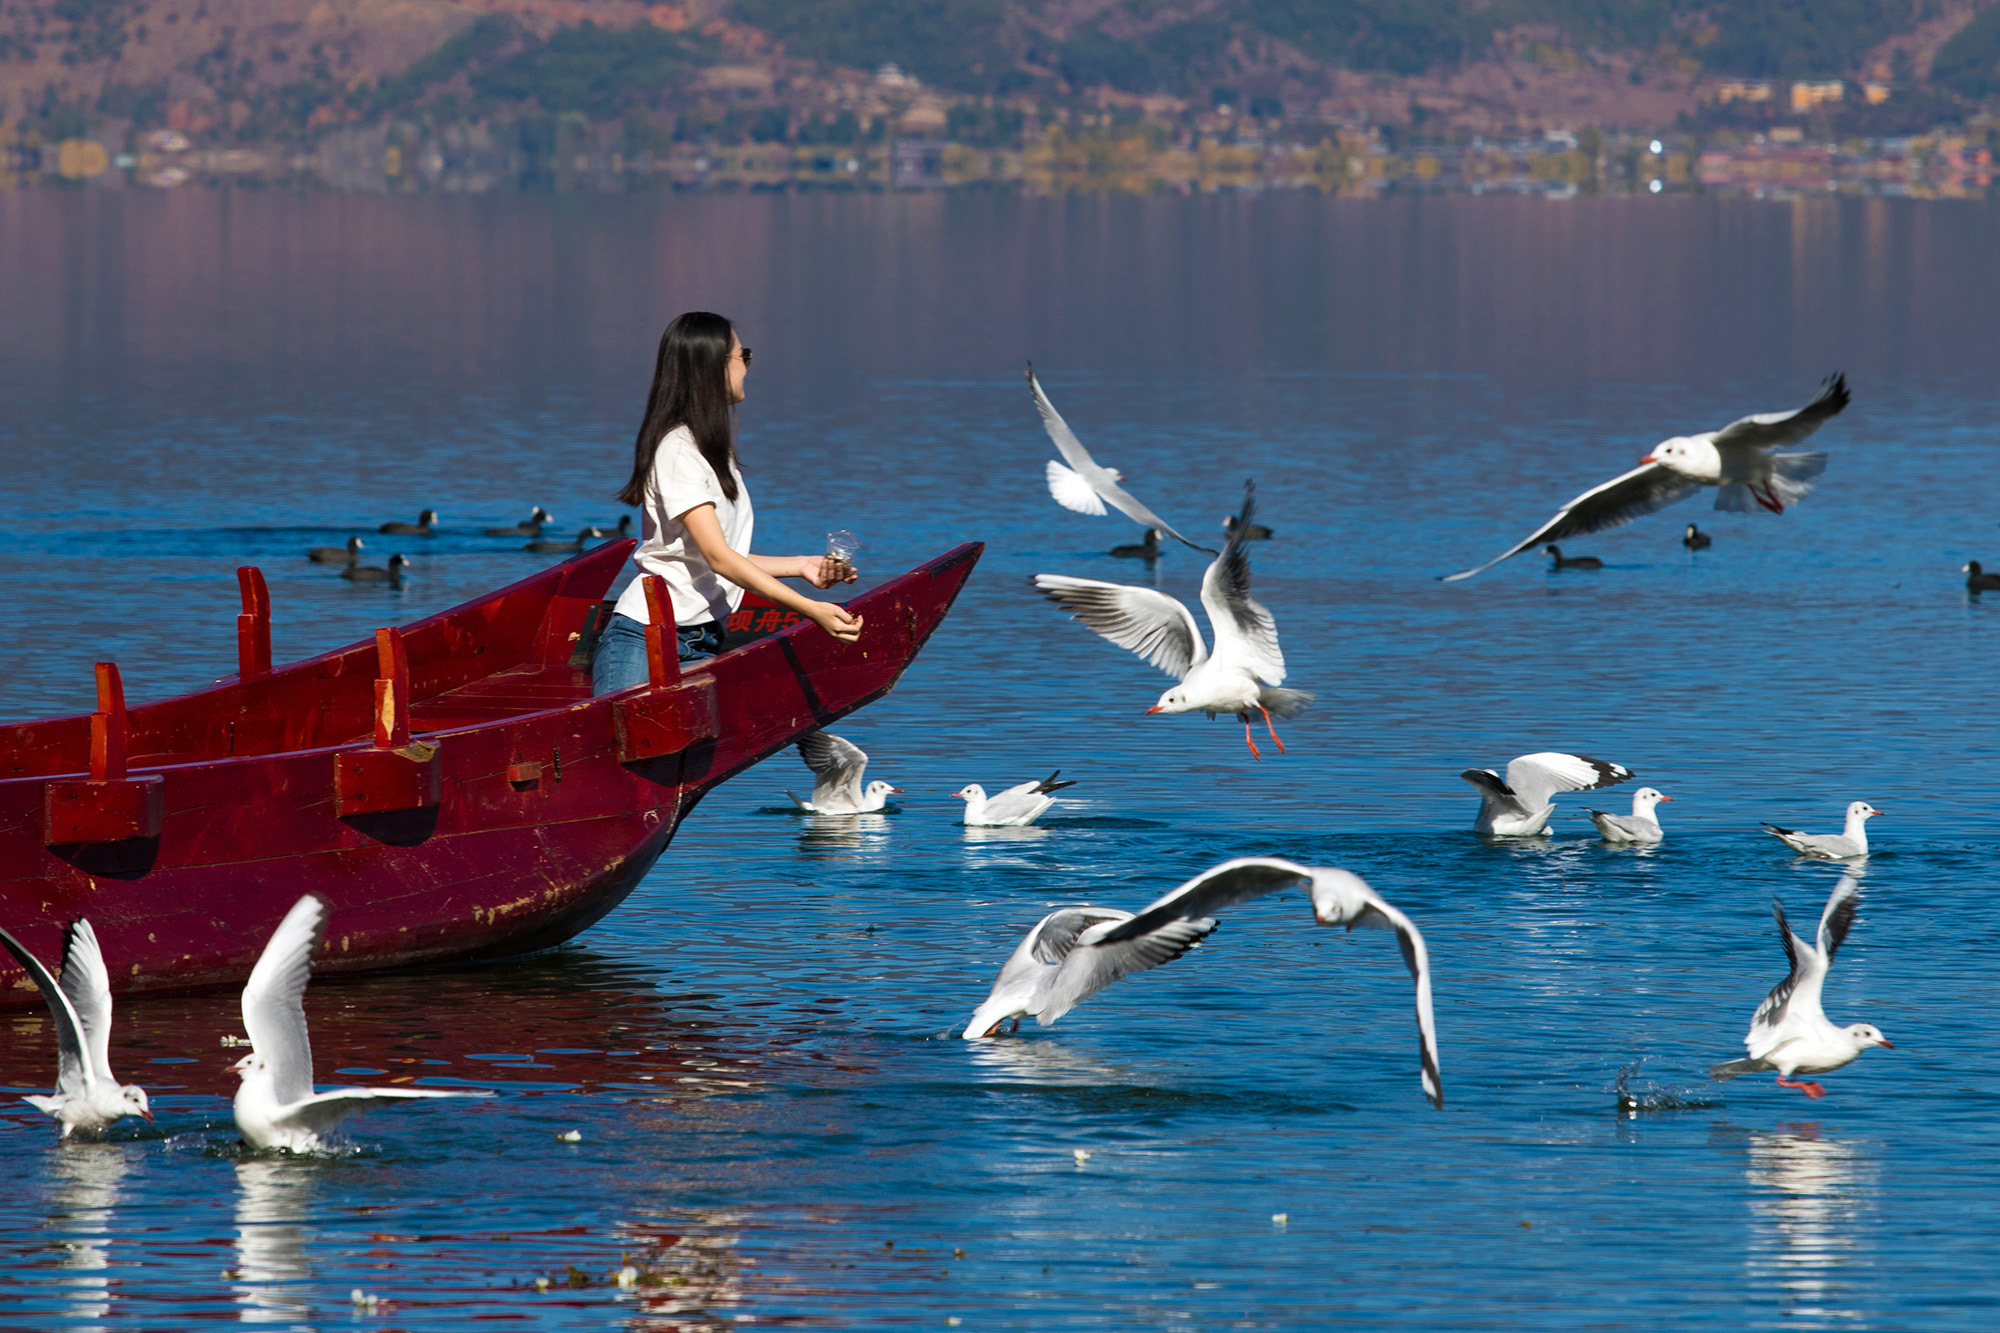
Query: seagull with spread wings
point(1790, 1032)
point(87, 1095)
point(837, 765)
point(1519, 806)
point(1075, 952)
point(1162, 630)
point(1737, 460)
point(1085, 486)
point(276, 1107)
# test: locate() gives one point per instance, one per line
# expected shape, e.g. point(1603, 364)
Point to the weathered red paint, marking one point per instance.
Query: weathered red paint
point(451, 788)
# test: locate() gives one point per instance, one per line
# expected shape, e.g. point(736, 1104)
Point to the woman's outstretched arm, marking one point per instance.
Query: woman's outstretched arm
point(757, 574)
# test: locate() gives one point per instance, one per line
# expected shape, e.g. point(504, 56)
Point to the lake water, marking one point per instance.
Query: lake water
point(777, 1122)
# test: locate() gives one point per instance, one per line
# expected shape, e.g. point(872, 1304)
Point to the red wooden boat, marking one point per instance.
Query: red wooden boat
point(451, 788)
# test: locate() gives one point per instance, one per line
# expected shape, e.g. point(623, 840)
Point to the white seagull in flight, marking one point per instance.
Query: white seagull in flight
point(1520, 806)
point(1085, 486)
point(1790, 1032)
point(1075, 952)
point(87, 1095)
point(276, 1107)
point(1161, 629)
point(1737, 460)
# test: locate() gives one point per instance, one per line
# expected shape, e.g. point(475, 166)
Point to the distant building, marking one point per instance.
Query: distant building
point(1875, 93)
point(919, 164)
point(1807, 94)
point(1743, 92)
point(891, 76)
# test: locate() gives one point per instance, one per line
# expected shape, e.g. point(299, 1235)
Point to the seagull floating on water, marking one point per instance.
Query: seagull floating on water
point(276, 1107)
point(1075, 952)
point(1015, 807)
point(87, 1096)
point(1520, 806)
point(1737, 460)
point(1696, 540)
point(1085, 486)
point(1642, 825)
point(1162, 630)
point(837, 765)
point(1790, 1032)
point(1850, 842)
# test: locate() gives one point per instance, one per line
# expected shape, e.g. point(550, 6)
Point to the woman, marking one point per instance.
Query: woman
point(697, 513)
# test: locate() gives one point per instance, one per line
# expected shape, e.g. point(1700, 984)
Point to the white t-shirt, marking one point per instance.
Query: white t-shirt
point(683, 480)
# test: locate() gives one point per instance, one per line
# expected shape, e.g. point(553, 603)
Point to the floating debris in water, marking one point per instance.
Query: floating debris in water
point(573, 1136)
point(1632, 1102)
point(228, 1040)
point(1280, 1219)
point(628, 1277)
point(364, 1301)
point(1082, 1156)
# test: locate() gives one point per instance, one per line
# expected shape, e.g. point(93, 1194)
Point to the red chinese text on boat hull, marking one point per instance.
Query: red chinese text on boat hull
point(520, 811)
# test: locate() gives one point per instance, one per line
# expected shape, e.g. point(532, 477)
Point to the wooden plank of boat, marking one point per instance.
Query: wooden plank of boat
point(451, 787)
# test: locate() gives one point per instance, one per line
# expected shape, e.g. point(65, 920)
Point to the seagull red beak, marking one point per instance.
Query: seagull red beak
point(149, 1115)
point(897, 790)
point(1887, 1045)
point(1154, 709)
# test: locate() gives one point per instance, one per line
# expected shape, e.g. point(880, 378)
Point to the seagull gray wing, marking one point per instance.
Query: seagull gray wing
point(322, 1112)
point(1838, 917)
point(1805, 961)
point(1343, 898)
point(1099, 479)
point(1224, 886)
point(837, 765)
point(1016, 802)
point(1091, 964)
point(1416, 957)
point(1058, 932)
point(1243, 627)
point(1534, 778)
point(1646, 488)
point(274, 1014)
point(1495, 790)
point(1772, 430)
point(74, 1077)
point(86, 982)
point(1157, 627)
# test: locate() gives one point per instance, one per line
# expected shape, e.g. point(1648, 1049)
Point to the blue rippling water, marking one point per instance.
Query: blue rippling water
point(777, 1124)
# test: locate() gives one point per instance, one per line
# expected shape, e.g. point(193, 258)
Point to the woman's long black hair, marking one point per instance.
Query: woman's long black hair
point(690, 388)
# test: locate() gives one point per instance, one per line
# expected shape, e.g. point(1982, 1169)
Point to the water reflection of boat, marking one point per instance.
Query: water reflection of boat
point(452, 788)
point(1811, 1219)
point(86, 1180)
point(271, 1268)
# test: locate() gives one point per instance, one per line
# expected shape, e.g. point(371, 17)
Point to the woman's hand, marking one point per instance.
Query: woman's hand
point(834, 619)
point(824, 573)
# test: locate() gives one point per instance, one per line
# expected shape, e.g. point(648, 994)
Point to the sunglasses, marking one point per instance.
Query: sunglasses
point(746, 357)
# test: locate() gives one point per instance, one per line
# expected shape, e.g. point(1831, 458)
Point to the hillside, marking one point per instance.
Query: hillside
point(286, 70)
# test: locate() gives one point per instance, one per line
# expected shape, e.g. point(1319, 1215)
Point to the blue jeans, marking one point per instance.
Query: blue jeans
point(621, 652)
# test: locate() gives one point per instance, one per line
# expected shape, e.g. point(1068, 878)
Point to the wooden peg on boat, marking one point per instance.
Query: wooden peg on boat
point(663, 667)
point(107, 726)
point(392, 691)
point(253, 625)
